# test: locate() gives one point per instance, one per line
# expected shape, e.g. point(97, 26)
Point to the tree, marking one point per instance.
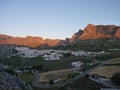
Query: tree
point(116, 79)
point(67, 54)
point(10, 71)
point(51, 82)
point(38, 67)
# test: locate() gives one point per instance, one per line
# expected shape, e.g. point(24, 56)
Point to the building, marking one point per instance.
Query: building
point(76, 66)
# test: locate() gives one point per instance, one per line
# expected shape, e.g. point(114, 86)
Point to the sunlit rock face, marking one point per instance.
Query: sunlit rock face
point(100, 31)
point(96, 32)
point(117, 34)
point(27, 41)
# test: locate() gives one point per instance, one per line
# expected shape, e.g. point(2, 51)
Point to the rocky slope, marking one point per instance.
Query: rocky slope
point(90, 32)
point(76, 36)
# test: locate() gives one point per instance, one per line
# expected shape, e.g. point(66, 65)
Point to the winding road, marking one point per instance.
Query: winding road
point(36, 81)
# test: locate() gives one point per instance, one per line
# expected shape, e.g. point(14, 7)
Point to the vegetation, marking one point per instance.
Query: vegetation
point(51, 82)
point(116, 79)
point(86, 66)
point(67, 54)
point(27, 77)
point(107, 56)
point(112, 61)
point(10, 71)
point(38, 67)
point(93, 45)
point(83, 84)
point(72, 75)
point(12, 61)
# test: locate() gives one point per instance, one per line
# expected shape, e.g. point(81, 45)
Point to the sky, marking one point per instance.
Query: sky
point(55, 18)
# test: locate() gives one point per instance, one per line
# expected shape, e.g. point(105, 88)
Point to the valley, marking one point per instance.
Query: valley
point(63, 64)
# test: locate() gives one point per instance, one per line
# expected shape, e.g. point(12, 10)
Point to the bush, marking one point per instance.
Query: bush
point(51, 82)
point(116, 79)
point(72, 75)
point(10, 71)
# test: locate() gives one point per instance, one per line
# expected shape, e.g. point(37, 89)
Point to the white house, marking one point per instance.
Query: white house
point(76, 66)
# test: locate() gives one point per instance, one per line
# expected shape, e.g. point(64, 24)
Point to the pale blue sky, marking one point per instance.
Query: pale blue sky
point(55, 18)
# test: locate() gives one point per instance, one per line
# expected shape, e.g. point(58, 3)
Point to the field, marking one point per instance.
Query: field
point(28, 78)
point(108, 69)
point(113, 61)
point(57, 74)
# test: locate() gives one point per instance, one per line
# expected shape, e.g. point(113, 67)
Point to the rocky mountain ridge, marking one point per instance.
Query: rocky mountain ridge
point(97, 32)
point(90, 32)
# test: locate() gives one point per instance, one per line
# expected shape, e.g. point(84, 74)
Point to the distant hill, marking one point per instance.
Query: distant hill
point(27, 41)
point(90, 32)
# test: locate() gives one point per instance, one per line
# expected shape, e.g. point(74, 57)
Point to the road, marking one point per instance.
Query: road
point(36, 82)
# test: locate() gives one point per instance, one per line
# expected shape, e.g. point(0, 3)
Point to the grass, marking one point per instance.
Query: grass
point(28, 78)
point(113, 61)
point(57, 74)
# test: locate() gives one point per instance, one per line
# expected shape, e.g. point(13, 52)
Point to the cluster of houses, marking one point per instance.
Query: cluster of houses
point(50, 54)
point(46, 54)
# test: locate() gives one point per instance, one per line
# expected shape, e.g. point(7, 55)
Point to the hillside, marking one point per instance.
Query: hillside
point(27, 41)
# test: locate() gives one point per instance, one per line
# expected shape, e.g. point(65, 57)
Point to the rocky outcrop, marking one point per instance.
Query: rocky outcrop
point(7, 50)
point(97, 32)
point(117, 34)
point(10, 82)
point(100, 31)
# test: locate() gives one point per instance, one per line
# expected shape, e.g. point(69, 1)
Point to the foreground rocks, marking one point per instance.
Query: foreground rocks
point(9, 82)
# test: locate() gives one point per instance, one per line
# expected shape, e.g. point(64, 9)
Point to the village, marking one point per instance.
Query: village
point(51, 54)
